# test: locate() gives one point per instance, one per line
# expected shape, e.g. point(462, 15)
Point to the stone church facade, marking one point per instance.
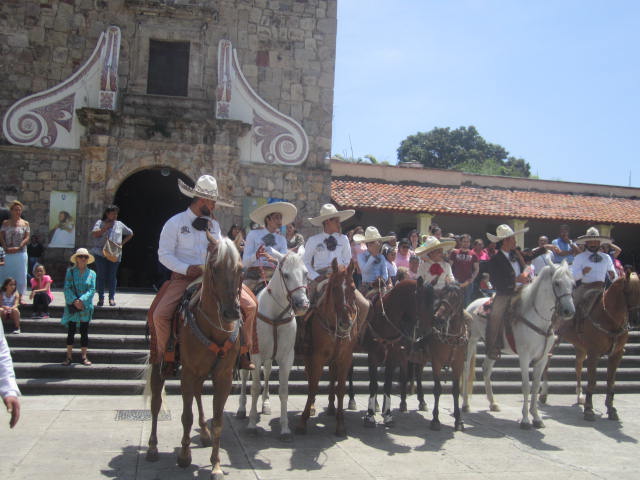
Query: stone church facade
point(113, 101)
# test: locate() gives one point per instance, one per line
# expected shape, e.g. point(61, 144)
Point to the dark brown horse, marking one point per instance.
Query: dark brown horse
point(605, 331)
point(335, 323)
point(447, 344)
point(397, 325)
point(209, 344)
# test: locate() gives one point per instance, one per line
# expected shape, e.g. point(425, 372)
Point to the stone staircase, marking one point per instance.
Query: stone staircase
point(117, 348)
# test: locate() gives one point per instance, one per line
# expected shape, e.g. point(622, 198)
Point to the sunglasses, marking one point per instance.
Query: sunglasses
point(82, 256)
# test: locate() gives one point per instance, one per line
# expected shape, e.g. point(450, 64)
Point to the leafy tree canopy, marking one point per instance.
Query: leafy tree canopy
point(461, 149)
point(366, 159)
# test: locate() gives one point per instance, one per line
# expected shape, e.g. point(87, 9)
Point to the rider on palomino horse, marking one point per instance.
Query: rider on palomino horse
point(265, 247)
point(183, 250)
point(591, 268)
point(507, 271)
point(372, 263)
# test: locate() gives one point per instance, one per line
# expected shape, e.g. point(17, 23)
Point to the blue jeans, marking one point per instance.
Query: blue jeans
point(106, 272)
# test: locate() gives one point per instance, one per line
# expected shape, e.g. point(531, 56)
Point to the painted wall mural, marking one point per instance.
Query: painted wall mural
point(48, 119)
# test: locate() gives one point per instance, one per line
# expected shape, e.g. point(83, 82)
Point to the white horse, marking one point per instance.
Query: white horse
point(281, 300)
point(549, 293)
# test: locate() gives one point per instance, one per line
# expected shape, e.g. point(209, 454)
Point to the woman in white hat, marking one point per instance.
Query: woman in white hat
point(433, 269)
point(264, 247)
point(79, 289)
point(372, 263)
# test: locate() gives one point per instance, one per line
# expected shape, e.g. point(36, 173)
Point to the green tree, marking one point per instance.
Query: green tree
point(461, 149)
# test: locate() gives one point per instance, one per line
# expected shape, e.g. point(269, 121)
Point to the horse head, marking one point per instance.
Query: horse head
point(293, 274)
point(341, 293)
point(562, 284)
point(223, 277)
point(632, 297)
point(449, 304)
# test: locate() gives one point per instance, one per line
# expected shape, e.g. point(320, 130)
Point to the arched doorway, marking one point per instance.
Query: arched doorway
point(146, 200)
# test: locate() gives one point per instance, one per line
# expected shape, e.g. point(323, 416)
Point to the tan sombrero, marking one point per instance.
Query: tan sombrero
point(206, 187)
point(82, 251)
point(593, 235)
point(371, 234)
point(288, 211)
point(432, 243)
point(504, 231)
point(327, 211)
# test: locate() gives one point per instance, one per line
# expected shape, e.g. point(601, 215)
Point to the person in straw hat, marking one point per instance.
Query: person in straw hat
point(371, 262)
point(183, 250)
point(79, 289)
point(507, 270)
point(433, 269)
point(592, 268)
point(264, 247)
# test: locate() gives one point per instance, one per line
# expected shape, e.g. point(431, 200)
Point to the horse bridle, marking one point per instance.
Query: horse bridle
point(290, 292)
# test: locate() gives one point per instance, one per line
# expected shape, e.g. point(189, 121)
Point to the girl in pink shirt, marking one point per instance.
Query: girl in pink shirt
point(41, 292)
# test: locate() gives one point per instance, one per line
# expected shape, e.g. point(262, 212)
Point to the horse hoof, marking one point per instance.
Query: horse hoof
point(253, 431)
point(205, 440)
point(580, 400)
point(369, 421)
point(352, 405)
point(543, 399)
point(152, 454)
point(217, 476)
point(387, 420)
point(589, 416)
point(312, 411)
point(241, 414)
point(422, 406)
point(184, 462)
point(525, 426)
point(459, 427)
point(403, 406)
point(301, 429)
point(613, 415)
point(331, 411)
point(465, 409)
point(538, 424)
point(286, 437)
point(266, 410)
point(435, 425)
point(341, 432)
point(494, 407)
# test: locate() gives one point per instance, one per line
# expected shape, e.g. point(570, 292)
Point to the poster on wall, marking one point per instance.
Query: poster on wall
point(62, 219)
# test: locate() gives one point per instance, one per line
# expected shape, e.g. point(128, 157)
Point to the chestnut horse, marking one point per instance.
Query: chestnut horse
point(397, 324)
point(605, 331)
point(209, 344)
point(335, 324)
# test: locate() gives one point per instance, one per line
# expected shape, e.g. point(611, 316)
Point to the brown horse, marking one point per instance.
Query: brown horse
point(397, 325)
point(335, 327)
point(605, 331)
point(209, 344)
point(447, 346)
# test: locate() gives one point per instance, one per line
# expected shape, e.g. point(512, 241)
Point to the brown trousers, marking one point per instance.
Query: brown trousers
point(495, 325)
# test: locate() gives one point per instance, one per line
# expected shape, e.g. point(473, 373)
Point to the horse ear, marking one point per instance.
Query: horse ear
point(351, 267)
point(211, 239)
point(334, 265)
point(420, 282)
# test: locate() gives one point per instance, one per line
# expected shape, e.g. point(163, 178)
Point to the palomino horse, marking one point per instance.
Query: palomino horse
point(447, 341)
point(606, 330)
point(532, 324)
point(397, 323)
point(335, 326)
point(284, 297)
point(209, 344)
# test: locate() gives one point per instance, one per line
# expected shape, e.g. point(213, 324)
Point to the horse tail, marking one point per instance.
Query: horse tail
point(146, 392)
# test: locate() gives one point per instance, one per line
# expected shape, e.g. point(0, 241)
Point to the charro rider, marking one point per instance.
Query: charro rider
point(591, 268)
point(372, 263)
point(433, 269)
point(264, 247)
point(507, 270)
point(183, 250)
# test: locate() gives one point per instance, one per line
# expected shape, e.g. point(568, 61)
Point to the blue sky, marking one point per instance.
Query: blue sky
point(554, 82)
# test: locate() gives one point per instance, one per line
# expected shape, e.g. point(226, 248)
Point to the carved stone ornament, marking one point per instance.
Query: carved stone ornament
point(48, 119)
point(275, 138)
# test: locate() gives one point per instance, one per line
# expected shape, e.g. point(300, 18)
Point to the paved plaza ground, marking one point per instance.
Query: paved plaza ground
point(80, 437)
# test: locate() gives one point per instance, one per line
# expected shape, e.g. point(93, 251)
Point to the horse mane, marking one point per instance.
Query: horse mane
point(228, 255)
point(530, 292)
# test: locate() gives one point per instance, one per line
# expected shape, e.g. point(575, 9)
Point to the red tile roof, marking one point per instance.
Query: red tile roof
point(480, 201)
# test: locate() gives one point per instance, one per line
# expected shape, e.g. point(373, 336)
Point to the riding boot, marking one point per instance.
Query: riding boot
point(245, 362)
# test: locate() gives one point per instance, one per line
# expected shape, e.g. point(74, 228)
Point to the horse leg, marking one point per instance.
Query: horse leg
point(187, 385)
point(580, 356)
point(422, 404)
point(469, 374)
point(242, 399)
point(487, 368)
point(524, 361)
point(157, 384)
point(437, 390)
point(314, 371)
point(283, 392)
point(205, 434)
point(612, 367)
point(331, 409)
point(369, 419)
point(352, 393)
point(592, 363)
point(252, 427)
point(222, 382)
point(341, 384)
point(538, 371)
point(544, 389)
point(266, 404)
point(457, 372)
point(387, 417)
point(403, 386)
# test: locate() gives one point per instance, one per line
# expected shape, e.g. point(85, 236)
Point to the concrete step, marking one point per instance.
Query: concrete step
point(97, 325)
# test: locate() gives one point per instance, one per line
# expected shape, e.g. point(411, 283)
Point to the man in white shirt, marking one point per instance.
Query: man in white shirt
point(264, 247)
point(183, 250)
point(592, 268)
point(8, 387)
point(546, 258)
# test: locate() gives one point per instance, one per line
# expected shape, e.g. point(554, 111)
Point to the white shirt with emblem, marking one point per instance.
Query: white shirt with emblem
point(598, 271)
point(181, 245)
point(317, 256)
point(254, 239)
